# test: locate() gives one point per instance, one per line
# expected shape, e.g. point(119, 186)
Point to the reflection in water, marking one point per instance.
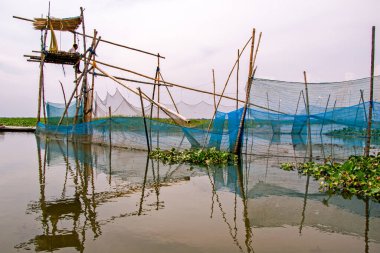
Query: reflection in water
point(244, 199)
point(77, 210)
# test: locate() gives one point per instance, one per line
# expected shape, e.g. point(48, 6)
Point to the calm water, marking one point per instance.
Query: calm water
point(56, 196)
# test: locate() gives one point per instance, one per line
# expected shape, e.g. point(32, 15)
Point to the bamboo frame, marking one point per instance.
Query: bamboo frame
point(164, 108)
point(103, 40)
point(186, 87)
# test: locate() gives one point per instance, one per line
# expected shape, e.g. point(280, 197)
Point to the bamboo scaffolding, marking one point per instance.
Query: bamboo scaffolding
point(84, 88)
point(186, 87)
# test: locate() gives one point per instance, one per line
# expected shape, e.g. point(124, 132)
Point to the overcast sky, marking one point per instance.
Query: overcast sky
point(330, 39)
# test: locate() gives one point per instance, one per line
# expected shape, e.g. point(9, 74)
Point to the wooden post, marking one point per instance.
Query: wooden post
point(308, 119)
point(368, 141)
point(143, 114)
point(237, 80)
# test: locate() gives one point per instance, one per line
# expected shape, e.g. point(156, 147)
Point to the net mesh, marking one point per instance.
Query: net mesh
point(275, 125)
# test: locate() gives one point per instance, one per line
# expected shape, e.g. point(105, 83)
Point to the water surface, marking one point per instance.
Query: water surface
point(66, 197)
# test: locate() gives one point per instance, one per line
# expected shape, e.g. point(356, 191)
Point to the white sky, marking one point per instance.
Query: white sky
point(330, 39)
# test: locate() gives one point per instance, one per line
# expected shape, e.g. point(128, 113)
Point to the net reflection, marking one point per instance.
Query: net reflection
point(76, 179)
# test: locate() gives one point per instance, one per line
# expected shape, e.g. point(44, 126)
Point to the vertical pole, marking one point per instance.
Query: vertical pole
point(84, 46)
point(41, 83)
point(237, 80)
point(365, 110)
point(368, 142)
point(143, 114)
point(238, 143)
point(110, 126)
point(214, 85)
point(75, 72)
point(324, 115)
point(308, 119)
point(110, 144)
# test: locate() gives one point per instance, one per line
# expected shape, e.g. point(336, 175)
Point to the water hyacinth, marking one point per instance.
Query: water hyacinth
point(359, 176)
point(204, 157)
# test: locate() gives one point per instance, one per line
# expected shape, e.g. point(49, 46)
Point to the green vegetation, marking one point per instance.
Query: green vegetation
point(350, 131)
point(358, 176)
point(24, 122)
point(204, 157)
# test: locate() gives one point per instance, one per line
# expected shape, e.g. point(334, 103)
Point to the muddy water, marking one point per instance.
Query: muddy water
point(58, 196)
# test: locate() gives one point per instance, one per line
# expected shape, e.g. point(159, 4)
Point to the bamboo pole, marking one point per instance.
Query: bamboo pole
point(84, 88)
point(214, 88)
point(123, 46)
point(365, 110)
point(110, 126)
point(224, 89)
point(308, 119)
point(324, 115)
point(71, 97)
point(41, 82)
point(239, 139)
point(164, 108)
point(368, 141)
point(186, 87)
point(64, 95)
point(130, 80)
point(238, 142)
point(170, 94)
point(237, 81)
point(143, 114)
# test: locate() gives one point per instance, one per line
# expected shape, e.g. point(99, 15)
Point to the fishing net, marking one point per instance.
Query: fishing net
point(276, 123)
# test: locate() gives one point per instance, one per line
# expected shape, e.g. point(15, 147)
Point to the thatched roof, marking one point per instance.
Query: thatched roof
point(64, 24)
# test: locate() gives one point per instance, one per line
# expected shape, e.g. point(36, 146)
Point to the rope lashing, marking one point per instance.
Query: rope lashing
point(92, 51)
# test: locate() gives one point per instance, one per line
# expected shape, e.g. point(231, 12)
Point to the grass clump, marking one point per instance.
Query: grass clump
point(359, 176)
point(203, 157)
point(22, 122)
